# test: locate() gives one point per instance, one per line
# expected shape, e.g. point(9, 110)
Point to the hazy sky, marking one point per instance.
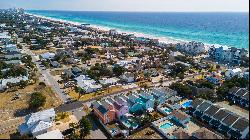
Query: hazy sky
point(130, 5)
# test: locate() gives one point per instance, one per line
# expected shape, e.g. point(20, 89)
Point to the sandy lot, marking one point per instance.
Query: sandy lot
point(142, 134)
point(10, 108)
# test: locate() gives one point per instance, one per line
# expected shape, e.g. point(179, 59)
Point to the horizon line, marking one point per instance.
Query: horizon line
point(134, 11)
point(141, 11)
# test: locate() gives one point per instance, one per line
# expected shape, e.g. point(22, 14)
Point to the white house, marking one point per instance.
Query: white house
point(48, 55)
point(128, 77)
point(55, 134)
point(88, 84)
point(3, 82)
point(123, 62)
point(223, 54)
point(4, 37)
point(233, 72)
point(109, 81)
point(38, 123)
point(11, 48)
point(193, 48)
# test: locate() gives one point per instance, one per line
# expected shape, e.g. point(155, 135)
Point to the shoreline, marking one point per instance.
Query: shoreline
point(104, 28)
point(166, 40)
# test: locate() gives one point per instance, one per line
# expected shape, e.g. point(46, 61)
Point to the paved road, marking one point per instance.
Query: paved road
point(47, 77)
point(79, 104)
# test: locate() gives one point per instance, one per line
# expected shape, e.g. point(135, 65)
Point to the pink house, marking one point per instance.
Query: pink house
point(120, 109)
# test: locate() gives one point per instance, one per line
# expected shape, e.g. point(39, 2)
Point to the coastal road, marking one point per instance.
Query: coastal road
point(47, 77)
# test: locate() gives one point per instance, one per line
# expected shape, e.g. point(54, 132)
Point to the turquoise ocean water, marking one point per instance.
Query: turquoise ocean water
point(230, 29)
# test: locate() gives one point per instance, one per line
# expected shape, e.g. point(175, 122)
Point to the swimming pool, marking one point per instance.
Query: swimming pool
point(129, 123)
point(166, 125)
point(168, 110)
point(187, 104)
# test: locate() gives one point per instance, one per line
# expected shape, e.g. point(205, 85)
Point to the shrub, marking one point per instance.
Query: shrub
point(37, 100)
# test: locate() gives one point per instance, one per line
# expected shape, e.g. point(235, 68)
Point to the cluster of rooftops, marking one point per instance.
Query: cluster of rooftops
point(239, 95)
point(220, 118)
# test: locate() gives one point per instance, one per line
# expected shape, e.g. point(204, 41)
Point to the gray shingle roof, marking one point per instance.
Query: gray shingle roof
point(105, 104)
point(221, 114)
point(205, 105)
point(230, 119)
point(241, 92)
point(197, 102)
point(233, 90)
point(95, 104)
point(102, 109)
point(117, 106)
point(241, 124)
point(212, 110)
point(246, 96)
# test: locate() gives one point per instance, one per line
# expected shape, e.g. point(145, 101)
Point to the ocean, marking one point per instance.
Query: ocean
point(229, 29)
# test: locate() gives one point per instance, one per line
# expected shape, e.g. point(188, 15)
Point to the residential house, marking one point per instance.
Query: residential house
point(55, 64)
point(221, 119)
point(12, 55)
point(5, 38)
point(227, 123)
point(128, 77)
point(196, 102)
point(13, 80)
point(67, 73)
point(202, 108)
point(47, 55)
point(54, 134)
point(11, 48)
point(218, 117)
point(76, 71)
point(121, 100)
point(88, 84)
point(180, 117)
point(181, 134)
point(210, 112)
point(214, 78)
point(239, 96)
point(140, 103)
point(120, 109)
point(14, 62)
point(204, 133)
point(246, 75)
point(240, 129)
point(224, 54)
point(38, 123)
point(161, 95)
point(109, 81)
point(233, 72)
point(105, 114)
